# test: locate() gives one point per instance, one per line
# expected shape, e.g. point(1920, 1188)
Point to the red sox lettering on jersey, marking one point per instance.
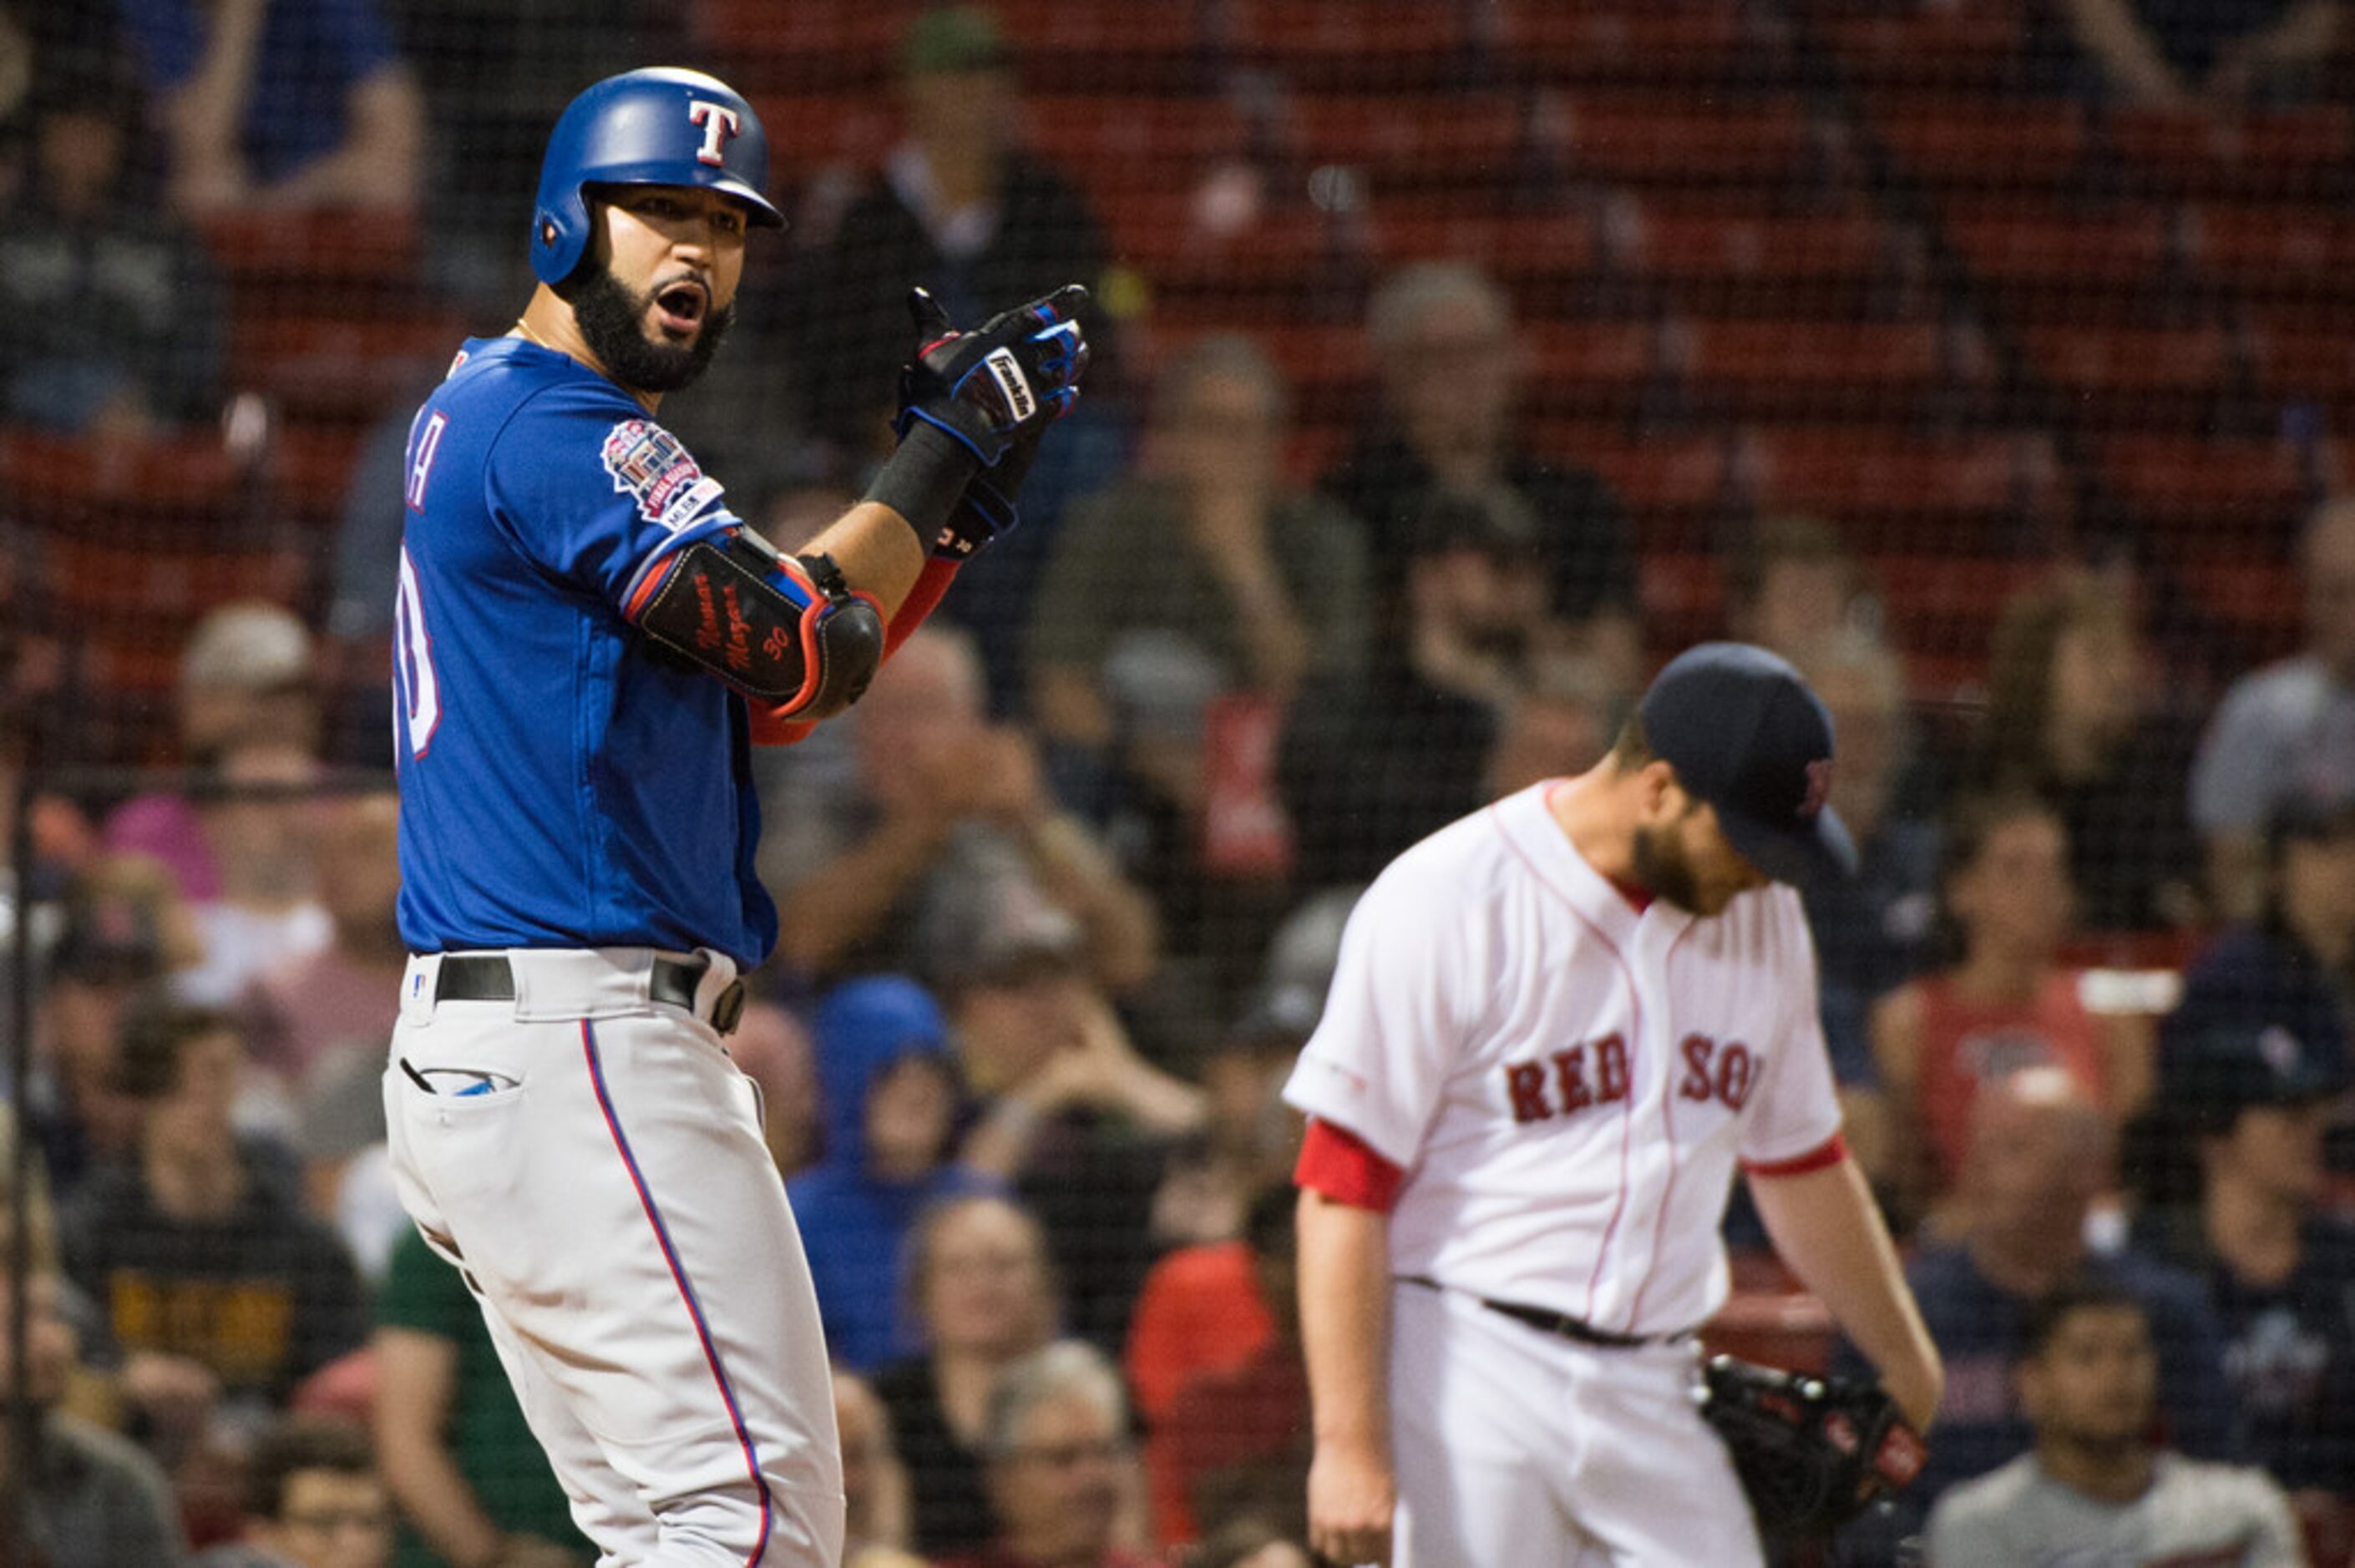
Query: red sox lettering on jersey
point(1568, 1081)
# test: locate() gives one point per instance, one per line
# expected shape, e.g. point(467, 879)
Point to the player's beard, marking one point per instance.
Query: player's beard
point(1661, 869)
point(613, 321)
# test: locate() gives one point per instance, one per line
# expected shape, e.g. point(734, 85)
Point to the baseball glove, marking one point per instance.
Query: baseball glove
point(1812, 1452)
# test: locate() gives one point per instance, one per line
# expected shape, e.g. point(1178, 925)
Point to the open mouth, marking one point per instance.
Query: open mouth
point(680, 307)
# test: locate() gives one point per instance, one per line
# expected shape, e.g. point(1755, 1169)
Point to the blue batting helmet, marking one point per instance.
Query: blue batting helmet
point(660, 126)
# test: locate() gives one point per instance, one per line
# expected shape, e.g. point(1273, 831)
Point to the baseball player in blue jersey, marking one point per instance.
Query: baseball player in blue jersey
point(588, 642)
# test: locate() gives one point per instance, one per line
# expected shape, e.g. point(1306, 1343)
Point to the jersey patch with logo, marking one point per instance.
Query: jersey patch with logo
point(650, 466)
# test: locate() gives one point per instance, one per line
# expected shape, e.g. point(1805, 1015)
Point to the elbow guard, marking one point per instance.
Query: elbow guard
point(784, 630)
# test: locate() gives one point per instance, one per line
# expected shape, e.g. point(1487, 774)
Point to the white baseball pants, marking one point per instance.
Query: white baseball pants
point(1512, 1446)
point(594, 1161)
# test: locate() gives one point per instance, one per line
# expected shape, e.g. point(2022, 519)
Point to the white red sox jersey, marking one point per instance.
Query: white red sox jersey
point(1567, 1082)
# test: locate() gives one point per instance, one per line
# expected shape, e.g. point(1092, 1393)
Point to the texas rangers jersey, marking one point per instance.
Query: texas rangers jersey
point(1566, 1082)
point(561, 784)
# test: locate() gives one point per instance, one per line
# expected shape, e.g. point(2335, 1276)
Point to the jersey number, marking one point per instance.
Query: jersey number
point(412, 661)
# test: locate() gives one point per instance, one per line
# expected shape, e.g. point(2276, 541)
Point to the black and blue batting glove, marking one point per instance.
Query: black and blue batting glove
point(1016, 373)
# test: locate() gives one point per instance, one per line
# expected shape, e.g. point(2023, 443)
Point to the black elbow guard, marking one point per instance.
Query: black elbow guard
point(784, 630)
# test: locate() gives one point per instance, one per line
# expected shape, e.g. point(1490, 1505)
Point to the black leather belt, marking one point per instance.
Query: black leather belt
point(1560, 1325)
point(487, 977)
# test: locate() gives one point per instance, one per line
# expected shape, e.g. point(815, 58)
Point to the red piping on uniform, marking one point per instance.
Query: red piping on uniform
point(1668, 1188)
point(1634, 1041)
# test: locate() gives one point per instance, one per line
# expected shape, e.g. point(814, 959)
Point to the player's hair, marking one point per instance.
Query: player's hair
point(1632, 748)
point(1064, 1369)
point(2049, 1313)
point(150, 1041)
point(294, 1445)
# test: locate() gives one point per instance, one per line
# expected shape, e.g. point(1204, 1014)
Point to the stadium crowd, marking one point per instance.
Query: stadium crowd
point(1061, 896)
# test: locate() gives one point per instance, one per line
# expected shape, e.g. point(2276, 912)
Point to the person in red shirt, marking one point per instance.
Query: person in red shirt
point(2005, 1003)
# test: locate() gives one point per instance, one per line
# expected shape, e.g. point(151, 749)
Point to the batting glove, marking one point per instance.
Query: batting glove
point(1016, 374)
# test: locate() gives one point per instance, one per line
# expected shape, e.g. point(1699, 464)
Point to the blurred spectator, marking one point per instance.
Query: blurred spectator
point(1203, 575)
point(112, 319)
point(890, 1095)
point(770, 1047)
point(279, 103)
point(344, 996)
point(1078, 1119)
point(959, 208)
point(1872, 930)
point(2288, 728)
point(313, 1499)
point(125, 929)
point(1451, 366)
point(1373, 760)
point(978, 1278)
point(2176, 54)
point(249, 729)
point(2096, 1488)
point(93, 1500)
point(472, 1483)
point(2040, 1153)
point(1234, 1443)
point(1791, 584)
point(1250, 1544)
point(1060, 1463)
point(2253, 1103)
point(2294, 965)
point(874, 1481)
point(214, 1282)
point(2005, 1005)
point(936, 808)
point(2066, 717)
point(1558, 727)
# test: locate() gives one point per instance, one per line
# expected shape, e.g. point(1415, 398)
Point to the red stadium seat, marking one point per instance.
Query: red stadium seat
point(1161, 142)
point(1668, 474)
point(2129, 374)
point(811, 131)
point(2077, 254)
point(2276, 252)
point(1717, 262)
point(1751, 145)
point(1978, 491)
point(72, 485)
point(2287, 156)
point(1960, 143)
point(1751, 367)
point(1444, 139)
point(1329, 42)
point(345, 251)
point(140, 590)
point(344, 367)
point(1683, 41)
point(1972, 47)
point(2201, 494)
point(2305, 352)
point(1683, 597)
point(1590, 367)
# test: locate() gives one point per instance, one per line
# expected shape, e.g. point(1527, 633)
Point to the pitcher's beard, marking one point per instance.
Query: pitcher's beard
point(612, 323)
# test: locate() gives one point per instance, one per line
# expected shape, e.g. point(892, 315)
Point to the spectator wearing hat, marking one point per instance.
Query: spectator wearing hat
point(125, 929)
point(2286, 729)
point(892, 1099)
point(1375, 758)
point(1182, 609)
point(932, 802)
point(1451, 370)
point(111, 321)
point(1077, 1120)
point(237, 839)
point(2252, 1101)
point(217, 1284)
point(2293, 964)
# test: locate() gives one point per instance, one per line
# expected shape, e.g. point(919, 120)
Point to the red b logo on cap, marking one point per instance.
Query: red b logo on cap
point(1819, 786)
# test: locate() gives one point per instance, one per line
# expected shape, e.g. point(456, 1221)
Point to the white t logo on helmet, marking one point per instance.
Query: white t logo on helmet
point(718, 122)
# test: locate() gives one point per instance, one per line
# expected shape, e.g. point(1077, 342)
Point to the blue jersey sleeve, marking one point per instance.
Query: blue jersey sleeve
point(595, 493)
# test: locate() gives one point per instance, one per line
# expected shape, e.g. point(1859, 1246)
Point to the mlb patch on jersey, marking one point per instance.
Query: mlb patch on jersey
point(648, 464)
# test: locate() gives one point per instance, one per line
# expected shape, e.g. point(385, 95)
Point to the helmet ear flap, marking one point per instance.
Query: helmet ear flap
point(559, 236)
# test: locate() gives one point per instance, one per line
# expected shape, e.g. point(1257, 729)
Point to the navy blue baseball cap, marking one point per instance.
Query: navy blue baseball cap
point(1746, 735)
point(2232, 1066)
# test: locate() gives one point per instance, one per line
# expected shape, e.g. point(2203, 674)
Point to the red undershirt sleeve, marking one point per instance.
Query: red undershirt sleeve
point(1830, 1152)
point(1337, 1163)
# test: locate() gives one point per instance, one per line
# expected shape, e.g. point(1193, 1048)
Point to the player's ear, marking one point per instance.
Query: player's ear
point(1659, 797)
